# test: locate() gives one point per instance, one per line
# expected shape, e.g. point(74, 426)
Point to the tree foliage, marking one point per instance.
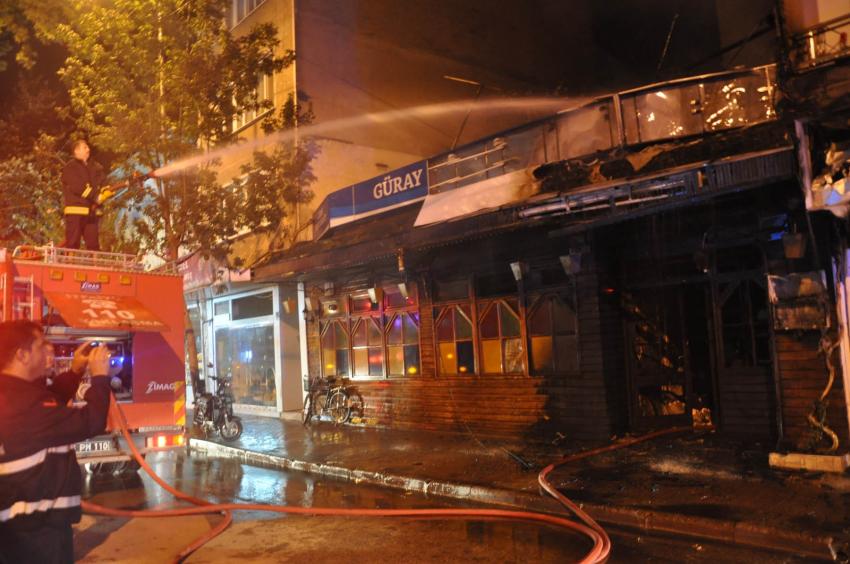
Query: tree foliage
point(151, 81)
point(31, 206)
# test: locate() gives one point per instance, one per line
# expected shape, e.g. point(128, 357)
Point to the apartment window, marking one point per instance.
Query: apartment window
point(454, 339)
point(265, 92)
point(552, 331)
point(500, 337)
point(241, 8)
point(335, 348)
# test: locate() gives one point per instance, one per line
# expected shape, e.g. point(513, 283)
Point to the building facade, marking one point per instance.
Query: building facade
point(647, 260)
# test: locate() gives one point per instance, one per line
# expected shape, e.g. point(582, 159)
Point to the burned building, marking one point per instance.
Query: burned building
point(648, 259)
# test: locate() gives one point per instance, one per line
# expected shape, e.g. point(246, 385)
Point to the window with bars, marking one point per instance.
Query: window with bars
point(553, 336)
point(454, 339)
point(335, 348)
point(500, 337)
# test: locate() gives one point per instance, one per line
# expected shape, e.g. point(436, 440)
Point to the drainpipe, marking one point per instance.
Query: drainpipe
point(302, 339)
point(839, 270)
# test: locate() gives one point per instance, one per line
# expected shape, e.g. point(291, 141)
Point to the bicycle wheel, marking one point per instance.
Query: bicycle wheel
point(338, 407)
point(307, 410)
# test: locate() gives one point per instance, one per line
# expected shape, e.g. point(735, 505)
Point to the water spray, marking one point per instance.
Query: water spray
point(540, 104)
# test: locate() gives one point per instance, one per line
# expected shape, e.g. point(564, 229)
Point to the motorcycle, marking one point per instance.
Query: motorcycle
point(214, 412)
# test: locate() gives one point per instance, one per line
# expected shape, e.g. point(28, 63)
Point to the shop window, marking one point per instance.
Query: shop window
point(335, 349)
point(454, 339)
point(552, 331)
point(500, 337)
point(248, 355)
point(497, 284)
point(363, 304)
point(367, 346)
point(221, 308)
point(451, 290)
point(403, 344)
point(333, 307)
point(255, 305)
point(394, 296)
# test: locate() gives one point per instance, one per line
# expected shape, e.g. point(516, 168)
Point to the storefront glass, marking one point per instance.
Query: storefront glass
point(247, 355)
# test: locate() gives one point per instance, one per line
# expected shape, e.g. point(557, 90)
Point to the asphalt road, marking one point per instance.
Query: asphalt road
point(263, 537)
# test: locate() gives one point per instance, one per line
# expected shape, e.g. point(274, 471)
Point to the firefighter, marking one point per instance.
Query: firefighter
point(40, 480)
point(81, 186)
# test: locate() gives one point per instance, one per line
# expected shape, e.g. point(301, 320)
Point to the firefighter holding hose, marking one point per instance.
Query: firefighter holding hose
point(81, 186)
point(40, 482)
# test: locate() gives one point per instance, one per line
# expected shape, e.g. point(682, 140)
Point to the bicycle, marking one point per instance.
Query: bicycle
point(327, 397)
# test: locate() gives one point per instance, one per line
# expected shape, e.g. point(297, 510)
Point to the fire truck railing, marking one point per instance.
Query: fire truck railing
point(49, 254)
point(821, 44)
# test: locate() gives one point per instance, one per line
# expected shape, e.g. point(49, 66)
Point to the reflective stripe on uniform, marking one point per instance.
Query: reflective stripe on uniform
point(87, 191)
point(76, 210)
point(30, 507)
point(27, 462)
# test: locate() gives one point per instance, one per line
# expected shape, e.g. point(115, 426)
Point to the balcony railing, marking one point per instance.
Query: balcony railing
point(670, 110)
point(821, 44)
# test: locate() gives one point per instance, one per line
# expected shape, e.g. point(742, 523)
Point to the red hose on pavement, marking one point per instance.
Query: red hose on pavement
point(599, 553)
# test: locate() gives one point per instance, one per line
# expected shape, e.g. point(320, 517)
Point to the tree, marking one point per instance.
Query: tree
point(151, 81)
point(154, 80)
point(31, 208)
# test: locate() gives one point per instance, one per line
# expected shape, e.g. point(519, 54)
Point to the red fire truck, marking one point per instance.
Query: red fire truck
point(138, 314)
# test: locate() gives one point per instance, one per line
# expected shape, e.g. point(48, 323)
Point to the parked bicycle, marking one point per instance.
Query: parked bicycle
point(331, 398)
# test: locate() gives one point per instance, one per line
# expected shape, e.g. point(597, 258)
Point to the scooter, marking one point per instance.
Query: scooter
point(214, 412)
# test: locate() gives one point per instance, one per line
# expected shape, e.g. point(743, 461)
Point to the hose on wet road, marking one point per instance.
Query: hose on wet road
point(588, 526)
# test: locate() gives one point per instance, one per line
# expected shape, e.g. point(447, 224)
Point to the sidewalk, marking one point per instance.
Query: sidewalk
point(694, 485)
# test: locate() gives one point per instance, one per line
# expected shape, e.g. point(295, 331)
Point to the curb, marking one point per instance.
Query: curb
point(726, 531)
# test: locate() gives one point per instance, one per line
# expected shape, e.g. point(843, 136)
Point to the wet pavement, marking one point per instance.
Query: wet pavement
point(695, 483)
point(261, 537)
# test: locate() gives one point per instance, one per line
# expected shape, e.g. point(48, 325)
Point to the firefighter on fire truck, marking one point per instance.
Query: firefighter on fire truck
point(82, 181)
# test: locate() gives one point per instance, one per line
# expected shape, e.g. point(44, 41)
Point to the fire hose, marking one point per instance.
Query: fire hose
point(589, 527)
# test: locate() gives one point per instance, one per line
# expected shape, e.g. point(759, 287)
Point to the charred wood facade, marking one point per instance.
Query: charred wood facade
point(631, 292)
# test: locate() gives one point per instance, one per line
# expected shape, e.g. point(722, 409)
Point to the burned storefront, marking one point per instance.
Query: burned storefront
point(644, 261)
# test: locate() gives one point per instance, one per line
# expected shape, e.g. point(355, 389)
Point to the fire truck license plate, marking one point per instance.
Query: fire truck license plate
point(95, 446)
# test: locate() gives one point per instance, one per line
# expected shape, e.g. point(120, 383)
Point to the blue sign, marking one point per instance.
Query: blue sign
point(397, 188)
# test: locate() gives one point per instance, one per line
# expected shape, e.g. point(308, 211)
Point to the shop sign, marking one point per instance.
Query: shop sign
point(400, 187)
point(197, 272)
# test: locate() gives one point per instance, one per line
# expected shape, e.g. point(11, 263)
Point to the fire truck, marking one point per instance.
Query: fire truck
point(137, 313)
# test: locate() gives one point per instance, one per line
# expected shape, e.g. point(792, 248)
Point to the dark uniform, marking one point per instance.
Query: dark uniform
point(40, 480)
point(81, 184)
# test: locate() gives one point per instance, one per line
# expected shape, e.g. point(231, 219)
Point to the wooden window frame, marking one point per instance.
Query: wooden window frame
point(546, 298)
point(343, 322)
point(487, 304)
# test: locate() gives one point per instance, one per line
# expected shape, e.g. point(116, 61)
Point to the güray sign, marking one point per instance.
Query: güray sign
point(400, 187)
